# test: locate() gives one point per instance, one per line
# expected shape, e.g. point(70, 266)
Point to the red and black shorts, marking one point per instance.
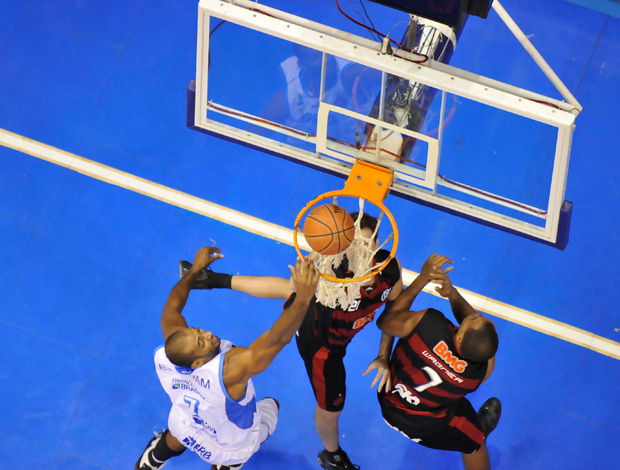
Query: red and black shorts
point(324, 368)
point(459, 431)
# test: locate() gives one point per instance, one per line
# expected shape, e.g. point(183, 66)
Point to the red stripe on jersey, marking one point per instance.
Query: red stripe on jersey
point(345, 325)
point(336, 327)
point(442, 393)
point(409, 368)
point(396, 401)
point(318, 376)
point(467, 428)
point(419, 347)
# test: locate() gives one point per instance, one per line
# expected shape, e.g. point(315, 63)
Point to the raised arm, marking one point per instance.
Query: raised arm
point(241, 363)
point(171, 317)
point(382, 362)
point(397, 320)
point(461, 309)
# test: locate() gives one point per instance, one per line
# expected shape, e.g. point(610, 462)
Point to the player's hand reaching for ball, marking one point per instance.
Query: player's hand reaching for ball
point(445, 287)
point(205, 256)
point(305, 276)
point(432, 268)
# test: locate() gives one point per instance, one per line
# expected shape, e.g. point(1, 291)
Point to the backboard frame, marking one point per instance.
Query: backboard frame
point(417, 187)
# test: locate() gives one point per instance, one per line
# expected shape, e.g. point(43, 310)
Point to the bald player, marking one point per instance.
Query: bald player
point(434, 365)
point(214, 409)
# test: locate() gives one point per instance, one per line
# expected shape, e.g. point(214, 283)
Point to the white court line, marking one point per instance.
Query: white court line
point(285, 235)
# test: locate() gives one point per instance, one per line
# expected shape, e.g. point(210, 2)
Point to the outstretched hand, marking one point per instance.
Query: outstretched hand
point(445, 286)
point(432, 267)
point(305, 276)
point(205, 256)
point(382, 366)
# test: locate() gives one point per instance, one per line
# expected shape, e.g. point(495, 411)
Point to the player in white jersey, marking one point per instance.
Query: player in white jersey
point(214, 410)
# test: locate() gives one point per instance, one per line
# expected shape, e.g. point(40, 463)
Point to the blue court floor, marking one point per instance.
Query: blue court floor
point(87, 265)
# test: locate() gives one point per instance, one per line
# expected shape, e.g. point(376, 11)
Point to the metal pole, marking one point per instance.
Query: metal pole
point(529, 47)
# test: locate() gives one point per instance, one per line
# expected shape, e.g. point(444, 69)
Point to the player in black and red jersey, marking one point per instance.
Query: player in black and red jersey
point(324, 335)
point(434, 365)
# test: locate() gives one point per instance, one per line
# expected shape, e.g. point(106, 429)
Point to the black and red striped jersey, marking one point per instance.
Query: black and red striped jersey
point(428, 375)
point(336, 328)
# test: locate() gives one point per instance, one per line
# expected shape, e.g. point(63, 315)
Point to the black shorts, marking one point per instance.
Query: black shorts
point(325, 368)
point(459, 431)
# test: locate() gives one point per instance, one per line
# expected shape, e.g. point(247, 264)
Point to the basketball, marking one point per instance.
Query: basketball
point(329, 229)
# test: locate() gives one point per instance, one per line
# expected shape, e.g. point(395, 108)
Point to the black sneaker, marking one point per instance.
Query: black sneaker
point(489, 414)
point(202, 279)
point(226, 467)
point(338, 460)
point(146, 461)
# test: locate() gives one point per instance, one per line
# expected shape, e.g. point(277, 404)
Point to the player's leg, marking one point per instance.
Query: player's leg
point(173, 443)
point(332, 457)
point(488, 415)
point(266, 287)
point(327, 376)
point(485, 420)
point(268, 409)
point(326, 423)
point(462, 432)
point(479, 460)
point(330, 391)
point(158, 450)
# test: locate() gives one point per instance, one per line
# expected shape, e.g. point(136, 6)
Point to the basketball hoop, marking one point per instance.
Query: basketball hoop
point(369, 183)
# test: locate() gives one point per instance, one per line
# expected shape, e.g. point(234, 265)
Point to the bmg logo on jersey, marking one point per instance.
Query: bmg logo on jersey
point(360, 322)
point(457, 365)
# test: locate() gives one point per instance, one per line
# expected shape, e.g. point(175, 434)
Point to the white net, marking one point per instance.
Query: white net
point(359, 254)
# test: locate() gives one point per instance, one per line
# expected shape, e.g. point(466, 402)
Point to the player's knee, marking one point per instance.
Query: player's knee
point(327, 415)
point(268, 409)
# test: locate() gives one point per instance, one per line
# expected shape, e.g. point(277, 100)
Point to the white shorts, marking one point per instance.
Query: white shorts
point(214, 453)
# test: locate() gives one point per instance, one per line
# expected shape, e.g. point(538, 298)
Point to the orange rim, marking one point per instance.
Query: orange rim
point(345, 193)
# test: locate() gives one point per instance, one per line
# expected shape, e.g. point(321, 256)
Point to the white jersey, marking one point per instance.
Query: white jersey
point(203, 416)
